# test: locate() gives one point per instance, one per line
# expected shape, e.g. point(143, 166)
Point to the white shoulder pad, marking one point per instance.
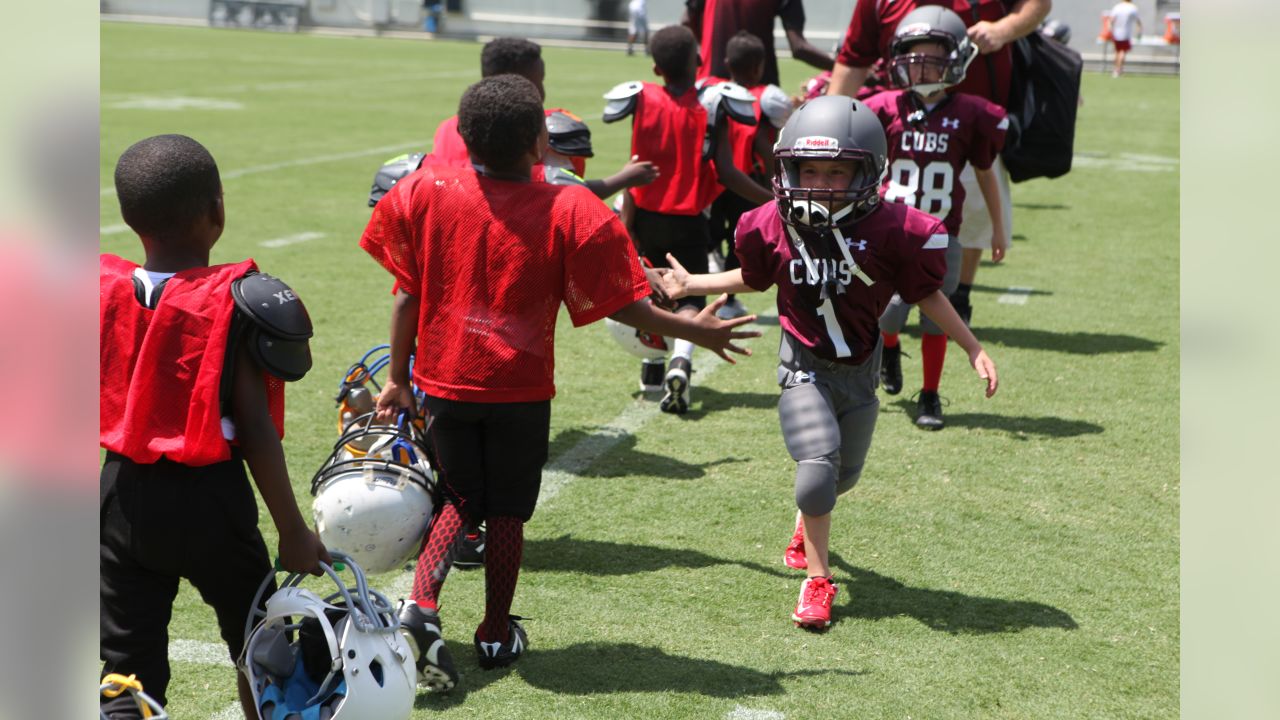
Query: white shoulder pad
point(622, 100)
point(734, 91)
point(728, 99)
point(776, 106)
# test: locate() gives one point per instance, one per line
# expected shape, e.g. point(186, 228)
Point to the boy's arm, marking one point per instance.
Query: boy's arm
point(397, 391)
point(846, 79)
point(939, 309)
point(679, 283)
point(705, 329)
point(635, 173)
point(300, 549)
point(733, 178)
point(990, 187)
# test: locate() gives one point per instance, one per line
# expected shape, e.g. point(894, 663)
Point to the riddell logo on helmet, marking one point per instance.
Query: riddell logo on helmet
point(816, 142)
point(915, 29)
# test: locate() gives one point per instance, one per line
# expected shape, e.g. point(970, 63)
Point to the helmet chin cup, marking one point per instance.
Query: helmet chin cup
point(811, 213)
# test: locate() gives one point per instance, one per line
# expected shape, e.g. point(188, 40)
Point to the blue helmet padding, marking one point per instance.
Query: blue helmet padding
point(291, 701)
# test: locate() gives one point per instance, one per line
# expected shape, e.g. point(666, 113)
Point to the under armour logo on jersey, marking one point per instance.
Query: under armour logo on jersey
point(285, 296)
point(861, 244)
point(953, 123)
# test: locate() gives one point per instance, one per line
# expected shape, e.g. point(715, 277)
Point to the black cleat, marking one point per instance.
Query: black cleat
point(929, 411)
point(677, 384)
point(652, 373)
point(501, 654)
point(891, 369)
point(469, 553)
point(421, 628)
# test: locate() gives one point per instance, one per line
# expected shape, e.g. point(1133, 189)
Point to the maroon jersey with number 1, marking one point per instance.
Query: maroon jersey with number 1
point(895, 249)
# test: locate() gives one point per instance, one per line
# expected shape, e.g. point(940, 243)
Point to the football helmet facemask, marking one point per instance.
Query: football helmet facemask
point(830, 127)
point(376, 505)
point(930, 24)
point(339, 657)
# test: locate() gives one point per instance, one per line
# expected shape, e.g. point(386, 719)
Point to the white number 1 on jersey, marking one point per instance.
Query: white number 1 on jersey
point(828, 313)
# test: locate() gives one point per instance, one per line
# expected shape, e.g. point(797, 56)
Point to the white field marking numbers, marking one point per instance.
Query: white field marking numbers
point(1015, 296)
point(291, 239)
point(905, 186)
point(828, 313)
point(745, 713)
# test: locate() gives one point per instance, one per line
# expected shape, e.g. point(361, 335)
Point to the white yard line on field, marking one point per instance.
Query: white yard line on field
point(113, 229)
point(230, 712)
point(291, 239)
point(199, 652)
point(303, 162)
point(1015, 296)
point(744, 713)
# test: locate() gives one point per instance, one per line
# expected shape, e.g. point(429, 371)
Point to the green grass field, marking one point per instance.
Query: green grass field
point(1023, 563)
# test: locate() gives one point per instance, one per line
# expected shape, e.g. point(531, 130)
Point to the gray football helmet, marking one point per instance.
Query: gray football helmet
point(829, 127)
point(937, 24)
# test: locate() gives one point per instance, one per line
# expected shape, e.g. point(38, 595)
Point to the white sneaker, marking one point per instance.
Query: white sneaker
point(732, 309)
point(715, 261)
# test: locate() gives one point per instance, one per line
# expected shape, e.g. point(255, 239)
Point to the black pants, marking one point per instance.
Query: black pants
point(490, 455)
point(725, 213)
point(686, 237)
point(158, 523)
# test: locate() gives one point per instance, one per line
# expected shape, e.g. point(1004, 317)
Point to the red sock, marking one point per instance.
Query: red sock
point(437, 557)
point(890, 339)
point(503, 550)
point(933, 355)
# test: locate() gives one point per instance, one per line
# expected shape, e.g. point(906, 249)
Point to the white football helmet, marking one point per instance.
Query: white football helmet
point(642, 344)
point(113, 684)
point(375, 505)
point(340, 657)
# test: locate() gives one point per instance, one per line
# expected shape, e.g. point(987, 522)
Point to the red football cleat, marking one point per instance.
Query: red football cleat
point(814, 608)
point(793, 556)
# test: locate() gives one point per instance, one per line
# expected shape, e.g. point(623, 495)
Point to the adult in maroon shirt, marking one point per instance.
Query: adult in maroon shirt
point(993, 24)
point(715, 21)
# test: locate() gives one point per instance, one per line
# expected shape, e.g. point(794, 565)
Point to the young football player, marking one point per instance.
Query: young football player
point(192, 362)
point(483, 259)
point(752, 146)
point(524, 57)
point(837, 254)
point(933, 134)
point(672, 127)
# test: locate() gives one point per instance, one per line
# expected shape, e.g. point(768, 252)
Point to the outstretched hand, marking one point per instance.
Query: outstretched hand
point(986, 370)
point(718, 335)
point(638, 172)
point(676, 279)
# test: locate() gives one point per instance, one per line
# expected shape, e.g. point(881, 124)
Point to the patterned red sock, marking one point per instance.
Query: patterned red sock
point(933, 355)
point(437, 556)
point(503, 550)
point(890, 339)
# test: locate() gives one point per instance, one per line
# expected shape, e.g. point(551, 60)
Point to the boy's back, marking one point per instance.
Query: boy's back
point(669, 130)
point(926, 159)
point(493, 260)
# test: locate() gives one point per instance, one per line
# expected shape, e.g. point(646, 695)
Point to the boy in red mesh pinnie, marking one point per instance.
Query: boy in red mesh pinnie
point(482, 262)
point(190, 391)
point(676, 126)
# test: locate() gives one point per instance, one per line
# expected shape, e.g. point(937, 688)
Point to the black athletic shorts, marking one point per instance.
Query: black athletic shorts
point(489, 456)
point(686, 237)
point(164, 521)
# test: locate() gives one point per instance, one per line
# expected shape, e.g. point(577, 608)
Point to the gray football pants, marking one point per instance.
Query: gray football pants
point(894, 317)
point(828, 414)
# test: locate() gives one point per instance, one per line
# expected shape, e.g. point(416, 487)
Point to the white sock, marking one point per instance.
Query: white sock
point(684, 349)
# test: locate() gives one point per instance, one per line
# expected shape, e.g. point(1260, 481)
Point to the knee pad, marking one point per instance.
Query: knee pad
point(894, 317)
point(816, 485)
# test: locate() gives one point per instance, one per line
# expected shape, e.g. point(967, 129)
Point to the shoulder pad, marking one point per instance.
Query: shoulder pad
point(391, 172)
point(561, 176)
point(622, 100)
point(775, 106)
point(276, 325)
point(728, 99)
point(568, 134)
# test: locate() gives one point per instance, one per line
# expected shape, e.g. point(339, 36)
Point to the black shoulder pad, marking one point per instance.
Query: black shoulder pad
point(392, 172)
point(277, 327)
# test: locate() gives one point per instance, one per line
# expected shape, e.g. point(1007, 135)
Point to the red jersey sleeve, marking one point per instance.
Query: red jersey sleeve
point(390, 238)
point(923, 260)
point(602, 272)
point(990, 127)
point(861, 46)
point(759, 258)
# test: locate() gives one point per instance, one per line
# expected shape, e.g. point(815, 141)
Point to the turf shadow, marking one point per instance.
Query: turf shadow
point(1074, 343)
point(871, 596)
point(1018, 426)
point(599, 557)
point(625, 460)
point(1042, 206)
point(979, 288)
point(707, 400)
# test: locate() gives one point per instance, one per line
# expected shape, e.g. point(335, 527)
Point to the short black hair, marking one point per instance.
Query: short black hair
point(164, 183)
point(671, 47)
point(744, 52)
point(500, 119)
point(510, 55)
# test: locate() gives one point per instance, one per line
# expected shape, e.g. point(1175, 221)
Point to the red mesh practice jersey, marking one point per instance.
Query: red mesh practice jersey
point(449, 150)
point(669, 131)
point(925, 162)
point(874, 22)
point(894, 249)
point(161, 369)
point(490, 262)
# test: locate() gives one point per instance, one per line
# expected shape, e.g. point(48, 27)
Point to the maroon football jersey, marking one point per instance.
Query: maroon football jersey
point(925, 162)
point(829, 305)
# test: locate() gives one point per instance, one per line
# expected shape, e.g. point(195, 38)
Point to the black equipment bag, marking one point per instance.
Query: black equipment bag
point(1043, 95)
